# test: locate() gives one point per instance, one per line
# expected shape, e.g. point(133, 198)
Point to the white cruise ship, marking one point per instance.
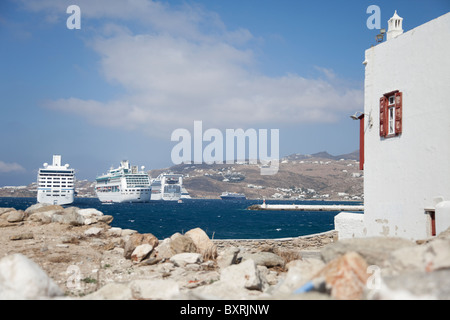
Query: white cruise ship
point(56, 183)
point(123, 184)
point(168, 187)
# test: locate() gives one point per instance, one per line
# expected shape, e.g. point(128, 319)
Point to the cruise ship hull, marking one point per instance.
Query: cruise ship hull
point(59, 200)
point(118, 197)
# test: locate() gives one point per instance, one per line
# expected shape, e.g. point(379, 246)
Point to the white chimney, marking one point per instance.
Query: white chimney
point(394, 26)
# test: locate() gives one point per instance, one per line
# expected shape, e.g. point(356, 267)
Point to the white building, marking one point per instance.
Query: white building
point(406, 134)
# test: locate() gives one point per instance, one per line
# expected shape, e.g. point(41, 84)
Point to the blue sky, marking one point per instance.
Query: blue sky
point(137, 70)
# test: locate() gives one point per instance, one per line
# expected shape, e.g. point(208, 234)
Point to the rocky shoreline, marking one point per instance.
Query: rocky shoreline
point(72, 253)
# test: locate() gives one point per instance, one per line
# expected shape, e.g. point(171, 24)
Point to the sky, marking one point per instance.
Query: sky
point(137, 70)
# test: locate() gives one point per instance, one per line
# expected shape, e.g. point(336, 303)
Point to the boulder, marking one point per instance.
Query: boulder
point(68, 216)
point(112, 291)
point(299, 273)
point(43, 217)
point(21, 278)
point(267, 259)
point(155, 289)
point(115, 232)
point(6, 210)
point(22, 236)
point(245, 275)
point(374, 250)
point(105, 219)
point(182, 259)
point(88, 213)
point(15, 216)
point(43, 207)
point(91, 216)
point(141, 252)
point(164, 250)
point(204, 245)
point(181, 243)
point(346, 276)
point(93, 232)
point(415, 285)
point(432, 256)
point(137, 239)
point(228, 257)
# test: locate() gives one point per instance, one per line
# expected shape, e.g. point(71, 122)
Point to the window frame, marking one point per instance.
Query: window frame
point(391, 105)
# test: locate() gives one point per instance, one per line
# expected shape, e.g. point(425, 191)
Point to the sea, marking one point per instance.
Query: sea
point(220, 219)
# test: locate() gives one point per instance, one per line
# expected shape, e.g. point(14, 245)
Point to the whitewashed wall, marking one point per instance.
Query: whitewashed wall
point(402, 175)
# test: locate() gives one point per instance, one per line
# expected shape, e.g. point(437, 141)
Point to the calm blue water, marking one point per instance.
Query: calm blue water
point(221, 219)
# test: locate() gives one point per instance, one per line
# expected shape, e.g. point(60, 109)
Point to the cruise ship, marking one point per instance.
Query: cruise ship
point(123, 184)
point(168, 187)
point(232, 196)
point(56, 183)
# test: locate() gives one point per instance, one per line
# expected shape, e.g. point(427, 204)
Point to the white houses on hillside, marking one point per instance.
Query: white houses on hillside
point(406, 135)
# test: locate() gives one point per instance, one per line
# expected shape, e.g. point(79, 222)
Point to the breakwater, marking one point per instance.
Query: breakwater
point(309, 207)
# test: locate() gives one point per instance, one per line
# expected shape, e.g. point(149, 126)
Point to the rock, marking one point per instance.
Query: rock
point(221, 290)
point(43, 207)
point(346, 276)
point(204, 245)
point(299, 272)
point(6, 210)
point(112, 291)
point(43, 217)
point(415, 285)
point(245, 275)
point(432, 256)
point(115, 232)
point(22, 236)
point(181, 243)
point(164, 250)
point(228, 257)
point(93, 232)
point(155, 289)
point(89, 213)
point(374, 250)
point(141, 252)
point(137, 239)
point(21, 278)
point(267, 259)
point(437, 255)
point(105, 219)
point(182, 259)
point(91, 216)
point(16, 216)
point(68, 216)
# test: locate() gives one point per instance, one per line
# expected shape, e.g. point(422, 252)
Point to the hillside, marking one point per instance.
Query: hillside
point(317, 176)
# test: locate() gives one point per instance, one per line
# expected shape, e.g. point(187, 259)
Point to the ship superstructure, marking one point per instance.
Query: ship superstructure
point(123, 184)
point(56, 183)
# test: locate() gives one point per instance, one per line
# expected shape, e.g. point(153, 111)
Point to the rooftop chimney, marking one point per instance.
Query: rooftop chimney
point(394, 26)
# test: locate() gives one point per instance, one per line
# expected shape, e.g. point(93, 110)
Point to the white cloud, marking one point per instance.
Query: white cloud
point(187, 66)
point(10, 167)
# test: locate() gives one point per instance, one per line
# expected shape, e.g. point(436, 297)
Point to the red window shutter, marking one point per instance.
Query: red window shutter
point(383, 116)
point(398, 113)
